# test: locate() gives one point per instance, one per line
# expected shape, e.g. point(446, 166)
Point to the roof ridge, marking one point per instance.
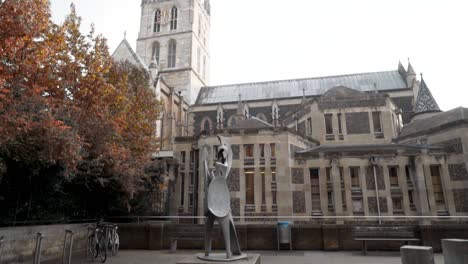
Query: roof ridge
point(297, 79)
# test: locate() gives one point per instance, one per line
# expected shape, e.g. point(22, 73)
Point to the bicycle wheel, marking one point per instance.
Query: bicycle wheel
point(102, 248)
point(91, 252)
point(116, 244)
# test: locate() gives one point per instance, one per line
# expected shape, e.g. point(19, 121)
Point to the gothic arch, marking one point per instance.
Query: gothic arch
point(156, 51)
point(206, 125)
point(157, 21)
point(172, 53)
point(262, 117)
point(232, 121)
point(174, 15)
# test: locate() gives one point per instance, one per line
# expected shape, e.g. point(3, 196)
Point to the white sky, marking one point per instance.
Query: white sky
point(262, 40)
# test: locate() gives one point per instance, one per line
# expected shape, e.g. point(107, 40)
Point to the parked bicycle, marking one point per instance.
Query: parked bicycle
point(112, 238)
point(97, 246)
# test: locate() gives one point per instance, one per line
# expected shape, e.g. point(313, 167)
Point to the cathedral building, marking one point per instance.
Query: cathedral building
point(367, 144)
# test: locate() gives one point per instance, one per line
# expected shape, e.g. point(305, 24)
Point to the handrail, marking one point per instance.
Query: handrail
point(298, 217)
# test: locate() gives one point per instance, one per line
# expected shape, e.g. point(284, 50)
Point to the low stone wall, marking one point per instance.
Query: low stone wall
point(155, 236)
point(20, 242)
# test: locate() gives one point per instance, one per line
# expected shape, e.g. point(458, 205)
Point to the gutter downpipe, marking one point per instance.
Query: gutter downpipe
point(374, 165)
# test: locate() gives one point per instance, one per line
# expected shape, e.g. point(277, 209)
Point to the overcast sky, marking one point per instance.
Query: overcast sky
point(262, 40)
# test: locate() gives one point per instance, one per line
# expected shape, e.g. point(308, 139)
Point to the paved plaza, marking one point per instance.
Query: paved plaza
point(270, 257)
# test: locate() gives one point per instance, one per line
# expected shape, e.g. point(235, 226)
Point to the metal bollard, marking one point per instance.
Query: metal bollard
point(37, 252)
point(68, 233)
point(2, 239)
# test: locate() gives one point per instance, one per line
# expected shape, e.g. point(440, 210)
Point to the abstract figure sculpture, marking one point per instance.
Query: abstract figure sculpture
point(219, 206)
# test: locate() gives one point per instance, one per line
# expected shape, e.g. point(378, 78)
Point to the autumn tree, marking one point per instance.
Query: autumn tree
point(72, 121)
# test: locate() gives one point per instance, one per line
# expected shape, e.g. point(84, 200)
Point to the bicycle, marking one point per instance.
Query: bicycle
point(112, 238)
point(97, 246)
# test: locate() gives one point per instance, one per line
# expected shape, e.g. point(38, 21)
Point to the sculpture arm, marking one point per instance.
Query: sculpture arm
point(209, 175)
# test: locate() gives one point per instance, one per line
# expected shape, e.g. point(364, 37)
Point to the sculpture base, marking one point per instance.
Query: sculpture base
point(220, 258)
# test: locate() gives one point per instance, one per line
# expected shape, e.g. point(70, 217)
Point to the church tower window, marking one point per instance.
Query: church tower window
point(198, 59)
point(156, 51)
point(204, 67)
point(157, 21)
point(174, 18)
point(171, 57)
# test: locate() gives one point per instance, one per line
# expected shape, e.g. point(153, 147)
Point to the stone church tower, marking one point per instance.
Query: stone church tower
point(174, 36)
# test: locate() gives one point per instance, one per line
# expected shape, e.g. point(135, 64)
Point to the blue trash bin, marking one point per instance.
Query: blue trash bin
point(284, 233)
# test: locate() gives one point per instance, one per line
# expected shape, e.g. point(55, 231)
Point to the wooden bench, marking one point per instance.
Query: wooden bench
point(384, 233)
point(184, 233)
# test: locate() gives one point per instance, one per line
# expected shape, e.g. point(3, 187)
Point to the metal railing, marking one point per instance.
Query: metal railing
point(273, 219)
point(2, 239)
point(37, 251)
point(68, 237)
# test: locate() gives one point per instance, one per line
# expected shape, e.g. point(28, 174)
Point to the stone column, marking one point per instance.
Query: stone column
point(404, 187)
point(447, 188)
point(335, 175)
point(420, 186)
point(363, 183)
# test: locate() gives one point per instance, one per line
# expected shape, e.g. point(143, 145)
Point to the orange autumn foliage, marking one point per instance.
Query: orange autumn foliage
point(65, 102)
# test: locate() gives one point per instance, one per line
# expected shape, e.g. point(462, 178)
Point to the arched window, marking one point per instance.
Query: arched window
point(262, 117)
point(171, 55)
point(157, 21)
point(174, 18)
point(232, 122)
point(206, 125)
point(155, 52)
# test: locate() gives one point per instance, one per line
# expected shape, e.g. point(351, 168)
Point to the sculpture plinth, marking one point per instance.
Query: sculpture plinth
point(197, 259)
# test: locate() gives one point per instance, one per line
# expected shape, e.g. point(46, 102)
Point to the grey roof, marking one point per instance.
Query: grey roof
point(436, 122)
point(386, 80)
point(425, 102)
point(364, 147)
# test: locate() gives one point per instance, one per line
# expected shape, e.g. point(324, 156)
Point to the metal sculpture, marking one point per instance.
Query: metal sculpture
point(218, 202)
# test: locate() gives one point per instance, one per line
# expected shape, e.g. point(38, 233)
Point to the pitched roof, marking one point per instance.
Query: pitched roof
point(436, 122)
point(386, 80)
point(425, 102)
point(125, 52)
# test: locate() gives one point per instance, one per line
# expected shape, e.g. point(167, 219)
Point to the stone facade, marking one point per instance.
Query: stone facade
point(372, 203)
point(458, 172)
point(297, 175)
point(300, 147)
point(357, 123)
point(461, 200)
point(235, 206)
point(298, 202)
point(191, 35)
point(370, 180)
point(234, 180)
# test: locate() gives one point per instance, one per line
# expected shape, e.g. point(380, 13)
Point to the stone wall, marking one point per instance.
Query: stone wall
point(264, 237)
point(452, 146)
point(234, 180)
point(461, 200)
point(20, 242)
point(458, 172)
point(357, 123)
point(298, 202)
